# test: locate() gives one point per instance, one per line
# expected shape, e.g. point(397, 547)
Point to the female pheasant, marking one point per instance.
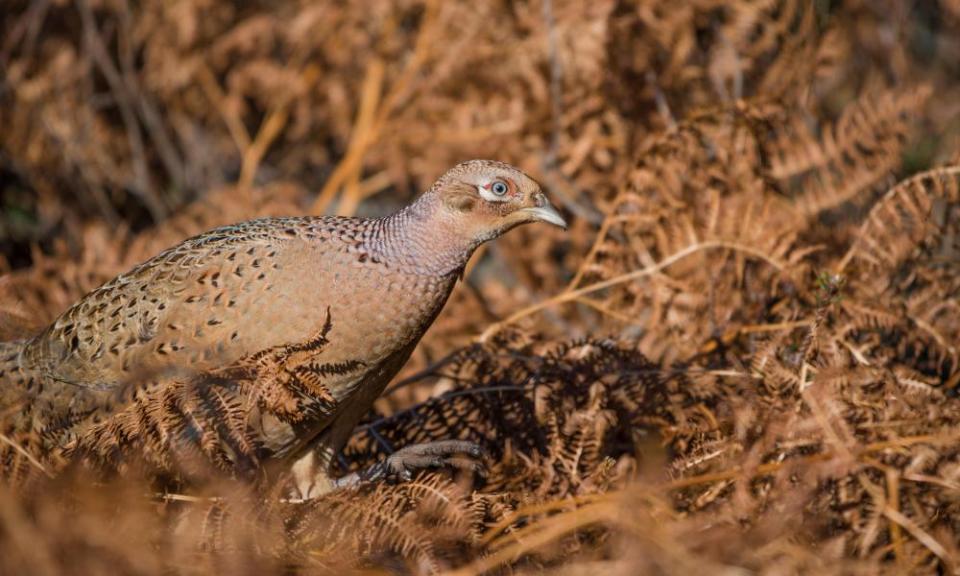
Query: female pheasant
point(263, 343)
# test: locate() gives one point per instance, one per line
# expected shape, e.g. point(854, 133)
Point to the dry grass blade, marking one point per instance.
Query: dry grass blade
point(23, 452)
point(577, 294)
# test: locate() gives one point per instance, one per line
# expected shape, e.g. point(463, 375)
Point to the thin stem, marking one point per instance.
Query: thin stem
point(571, 295)
point(23, 452)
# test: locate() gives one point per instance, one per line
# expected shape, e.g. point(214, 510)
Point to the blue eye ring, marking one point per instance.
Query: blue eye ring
point(499, 187)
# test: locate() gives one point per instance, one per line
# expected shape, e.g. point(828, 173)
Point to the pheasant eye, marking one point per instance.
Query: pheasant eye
point(499, 188)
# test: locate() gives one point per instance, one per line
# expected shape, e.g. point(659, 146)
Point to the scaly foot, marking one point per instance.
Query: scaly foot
point(402, 464)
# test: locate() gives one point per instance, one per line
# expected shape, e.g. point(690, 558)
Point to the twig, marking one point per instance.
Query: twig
point(445, 396)
point(430, 370)
point(922, 536)
point(363, 137)
point(583, 511)
point(771, 467)
point(274, 123)
point(752, 328)
point(142, 185)
point(571, 295)
point(361, 140)
point(604, 309)
point(171, 497)
point(663, 108)
point(25, 31)
point(541, 508)
point(556, 181)
point(548, 531)
point(252, 157)
point(560, 188)
point(238, 132)
point(152, 120)
point(925, 479)
point(23, 452)
point(893, 504)
point(556, 84)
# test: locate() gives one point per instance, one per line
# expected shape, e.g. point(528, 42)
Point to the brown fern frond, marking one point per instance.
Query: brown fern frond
point(849, 157)
point(902, 220)
point(383, 520)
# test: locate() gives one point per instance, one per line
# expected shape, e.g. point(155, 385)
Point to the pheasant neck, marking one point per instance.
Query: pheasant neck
point(424, 239)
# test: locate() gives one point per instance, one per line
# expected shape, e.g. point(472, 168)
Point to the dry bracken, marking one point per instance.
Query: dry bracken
point(742, 355)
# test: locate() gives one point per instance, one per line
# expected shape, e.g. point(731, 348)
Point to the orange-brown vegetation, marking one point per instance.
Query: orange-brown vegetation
point(743, 357)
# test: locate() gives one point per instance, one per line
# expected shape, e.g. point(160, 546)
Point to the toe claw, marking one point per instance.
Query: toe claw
point(402, 464)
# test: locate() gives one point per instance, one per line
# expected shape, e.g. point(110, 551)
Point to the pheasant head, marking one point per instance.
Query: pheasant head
point(485, 198)
point(473, 202)
point(482, 199)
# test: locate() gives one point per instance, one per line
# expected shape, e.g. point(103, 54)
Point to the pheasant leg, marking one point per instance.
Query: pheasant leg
point(402, 464)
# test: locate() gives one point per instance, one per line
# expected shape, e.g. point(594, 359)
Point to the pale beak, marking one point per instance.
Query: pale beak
point(546, 213)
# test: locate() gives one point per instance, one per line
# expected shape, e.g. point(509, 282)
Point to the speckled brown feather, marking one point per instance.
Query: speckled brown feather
point(261, 333)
